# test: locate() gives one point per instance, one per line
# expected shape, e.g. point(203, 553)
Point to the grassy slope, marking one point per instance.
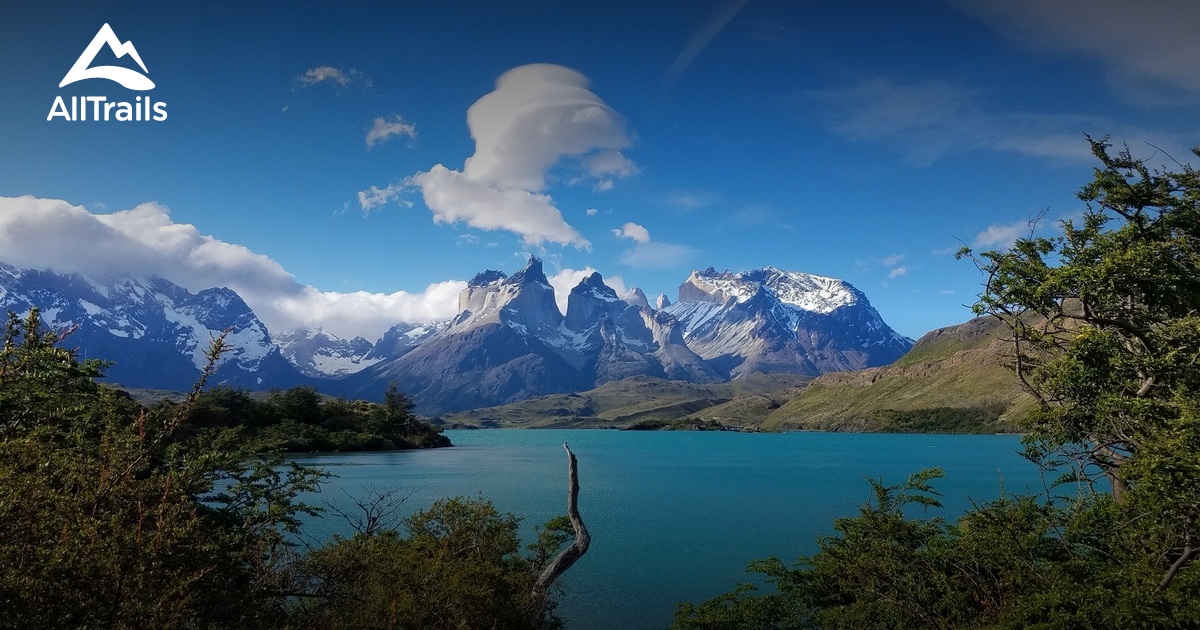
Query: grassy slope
point(622, 403)
point(952, 380)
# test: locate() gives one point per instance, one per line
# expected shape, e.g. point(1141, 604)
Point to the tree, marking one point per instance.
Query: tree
point(459, 566)
point(1105, 334)
point(1105, 323)
point(115, 516)
point(1105, 319)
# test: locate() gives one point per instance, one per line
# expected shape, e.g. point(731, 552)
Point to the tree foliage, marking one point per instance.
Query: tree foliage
point(301, 420)
point(117, 516)
point(1105, 334)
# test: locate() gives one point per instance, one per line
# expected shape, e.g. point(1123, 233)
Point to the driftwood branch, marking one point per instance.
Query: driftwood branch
point(568, 556)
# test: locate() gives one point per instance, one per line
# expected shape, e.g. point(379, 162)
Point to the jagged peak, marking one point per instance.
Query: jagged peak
point(532, 273)
point(487, 277)
point(636, 297)
point(594, 280)
point(662, 302)
point(594, 285)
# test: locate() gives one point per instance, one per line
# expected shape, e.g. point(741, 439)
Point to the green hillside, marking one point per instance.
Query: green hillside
point(953, 381)
point(620, 404)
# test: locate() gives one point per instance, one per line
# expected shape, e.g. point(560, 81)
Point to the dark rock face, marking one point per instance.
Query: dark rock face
point(510, 342)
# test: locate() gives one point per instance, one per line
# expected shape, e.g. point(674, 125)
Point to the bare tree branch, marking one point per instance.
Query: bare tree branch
point(583, 539)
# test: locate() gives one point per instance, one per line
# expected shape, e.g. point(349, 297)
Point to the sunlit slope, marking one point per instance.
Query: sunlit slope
point(952, 380)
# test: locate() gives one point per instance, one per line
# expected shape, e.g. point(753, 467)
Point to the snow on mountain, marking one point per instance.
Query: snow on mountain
point(771, 320)
point(319, 353)
point(155, 331)
point(508, 342)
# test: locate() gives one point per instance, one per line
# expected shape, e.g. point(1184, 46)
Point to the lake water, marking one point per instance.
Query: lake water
point(676, 516)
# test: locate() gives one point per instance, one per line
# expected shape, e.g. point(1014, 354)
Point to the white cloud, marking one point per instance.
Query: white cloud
point(897, 272)
point(651, 254)
point(341, 77)
point(453, 196)
point(375, 197)
point(591, 212)
point(691, 200)
point(144, 241)
point(929, 119)
point(633, 231)
point(603, 185)
point(1003, 236)
point(610, 162)
point(567, 279)
point(893, 260)
point(538, 116)
point(1150, 48)
point(700, 40)
point(385, 129)
point(645, 255)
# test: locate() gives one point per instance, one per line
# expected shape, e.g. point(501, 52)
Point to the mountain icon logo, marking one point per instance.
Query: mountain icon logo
point(131, 79)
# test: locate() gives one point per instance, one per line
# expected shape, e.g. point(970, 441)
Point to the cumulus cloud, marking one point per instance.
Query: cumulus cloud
point(341, 77)
point(897, 272)
point(647, 253)
point(591, 212)
point(454, 196)
point(385, 129)
point(567, 279)
point(145, 241)
point(537, 117)
point(633, 231)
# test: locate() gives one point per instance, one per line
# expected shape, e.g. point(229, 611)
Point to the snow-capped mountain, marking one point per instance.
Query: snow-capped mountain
point(508, 342)
point(155, 331)
point(769, 320)
point(500, 348)
point(319, 353)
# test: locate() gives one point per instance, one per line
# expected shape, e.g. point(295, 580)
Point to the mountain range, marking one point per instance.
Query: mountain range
point(509, 341)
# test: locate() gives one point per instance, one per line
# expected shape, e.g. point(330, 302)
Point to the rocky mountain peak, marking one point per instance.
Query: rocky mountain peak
point(491, 276)
point(589, 300)
point(531, 274)
point(637, 297)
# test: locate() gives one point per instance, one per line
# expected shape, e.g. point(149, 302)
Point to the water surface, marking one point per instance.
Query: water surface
point(676, 516)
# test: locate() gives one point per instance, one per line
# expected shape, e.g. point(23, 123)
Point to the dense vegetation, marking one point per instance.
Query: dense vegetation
point(117, 516)
point(1104, 323)
point(302, 420)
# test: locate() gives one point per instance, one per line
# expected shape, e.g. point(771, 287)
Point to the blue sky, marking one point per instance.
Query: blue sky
point(315, 157)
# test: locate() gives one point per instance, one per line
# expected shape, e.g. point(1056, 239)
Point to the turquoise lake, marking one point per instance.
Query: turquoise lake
point(676, 516)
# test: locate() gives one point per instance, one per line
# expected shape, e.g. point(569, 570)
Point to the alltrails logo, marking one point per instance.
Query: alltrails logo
point(99, 107)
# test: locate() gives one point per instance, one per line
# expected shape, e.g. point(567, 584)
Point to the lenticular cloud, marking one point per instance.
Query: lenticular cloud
point(538, 116)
